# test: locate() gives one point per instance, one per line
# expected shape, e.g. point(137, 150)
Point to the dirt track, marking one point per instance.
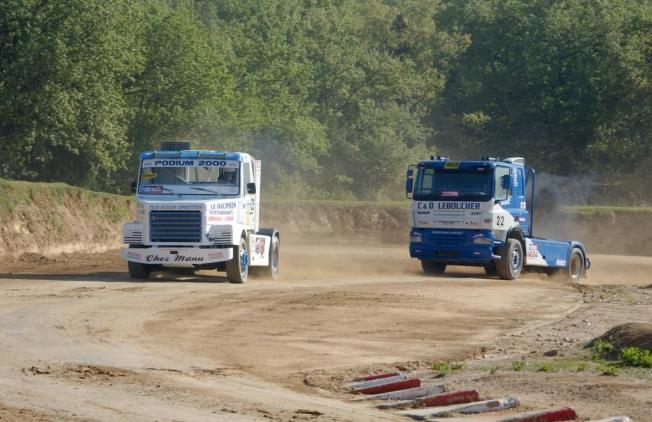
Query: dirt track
point(78, 340)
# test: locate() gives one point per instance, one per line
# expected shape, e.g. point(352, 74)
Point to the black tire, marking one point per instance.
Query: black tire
point(272, 271)
point(138, 271)
point(510, 265)
point(490, 269)
point(576, 266)
point(432, 267)
point(237, 268)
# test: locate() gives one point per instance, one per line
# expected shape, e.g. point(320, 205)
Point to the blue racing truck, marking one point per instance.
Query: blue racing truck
point(481, 213)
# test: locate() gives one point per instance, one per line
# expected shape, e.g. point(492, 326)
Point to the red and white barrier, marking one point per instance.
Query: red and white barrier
point(454, 397)
point(392, 386)
point(508, 402)
point(409, 394)
point(549, 415)
point(356, 386)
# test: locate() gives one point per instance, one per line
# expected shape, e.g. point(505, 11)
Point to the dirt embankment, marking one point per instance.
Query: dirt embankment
point(50, 218)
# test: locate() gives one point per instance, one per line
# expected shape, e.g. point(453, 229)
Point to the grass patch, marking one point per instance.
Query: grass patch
point(442, 368)
point(608, 370)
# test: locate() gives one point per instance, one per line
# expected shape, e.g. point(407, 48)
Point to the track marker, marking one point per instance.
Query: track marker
point(372, 383)
point(373, 377)
point(409, 394)
point(445, 399)
point(549, 415)
point(393, 386)
point(507, 402)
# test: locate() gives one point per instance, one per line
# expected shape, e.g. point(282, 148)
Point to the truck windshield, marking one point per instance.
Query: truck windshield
point(453, 185)
point(194, 179)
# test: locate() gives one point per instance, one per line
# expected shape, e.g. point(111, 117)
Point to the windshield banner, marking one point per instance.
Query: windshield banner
point(184, 162)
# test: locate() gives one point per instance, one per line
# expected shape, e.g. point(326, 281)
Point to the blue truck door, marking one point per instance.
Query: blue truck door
point(515, 203)
point(518, 204)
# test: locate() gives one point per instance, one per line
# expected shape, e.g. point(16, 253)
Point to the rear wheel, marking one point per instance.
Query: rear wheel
point(510, 264)
point(576, 267)
point(138, 271)
point(237, 268)
point(431, 267)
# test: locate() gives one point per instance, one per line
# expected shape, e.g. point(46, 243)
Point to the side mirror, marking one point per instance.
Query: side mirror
point(251, 188)
point(409, 186)
point(409, 181)
point(134, 186)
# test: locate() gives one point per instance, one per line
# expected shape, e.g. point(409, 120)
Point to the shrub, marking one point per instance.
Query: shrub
point(634, 356)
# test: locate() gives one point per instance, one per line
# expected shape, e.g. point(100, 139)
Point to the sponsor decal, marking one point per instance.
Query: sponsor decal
point(221, 212)
point(180, 162)
point(560, 262)
point(223, 205)
point(215, 255)
point(523, 205)
point(532, 253)
point(175, 258)
point(450, 194)
point(220, 218)
point(452, 165)
point(174, 207)
point(448, 205)
point(150, 189)
point(134, 255)
point(260, 246)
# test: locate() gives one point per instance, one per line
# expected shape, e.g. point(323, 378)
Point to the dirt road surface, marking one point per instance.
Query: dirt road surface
point(80, 341)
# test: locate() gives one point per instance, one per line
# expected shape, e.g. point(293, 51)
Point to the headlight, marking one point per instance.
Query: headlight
point(482, 241)
point(415, 237)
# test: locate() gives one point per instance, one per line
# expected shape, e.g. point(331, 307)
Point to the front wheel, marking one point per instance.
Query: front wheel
point(138, 271)
point(510, 264)
point(490, 269)
point(432, 268)
point(237, 268)
point(271, 271)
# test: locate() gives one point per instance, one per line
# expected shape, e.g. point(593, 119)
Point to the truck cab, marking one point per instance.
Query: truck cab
point(481, 213)
point(199, 209)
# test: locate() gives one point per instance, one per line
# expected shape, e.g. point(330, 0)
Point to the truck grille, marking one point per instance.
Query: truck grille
point(175, 226)
point(447, 239)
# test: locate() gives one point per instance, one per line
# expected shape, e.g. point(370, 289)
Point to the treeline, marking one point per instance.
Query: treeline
point(336, 96)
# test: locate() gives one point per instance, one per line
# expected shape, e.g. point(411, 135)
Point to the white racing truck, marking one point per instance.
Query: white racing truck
point(199, 209)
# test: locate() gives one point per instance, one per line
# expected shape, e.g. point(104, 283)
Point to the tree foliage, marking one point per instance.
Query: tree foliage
point(334, 95)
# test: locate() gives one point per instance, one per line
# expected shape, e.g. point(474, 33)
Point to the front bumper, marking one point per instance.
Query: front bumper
point(176, 257)
point(453, 246)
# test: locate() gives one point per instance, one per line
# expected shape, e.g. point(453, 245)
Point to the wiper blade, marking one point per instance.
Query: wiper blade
point(205, 190)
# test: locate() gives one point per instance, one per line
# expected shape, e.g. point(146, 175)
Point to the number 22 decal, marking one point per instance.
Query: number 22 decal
point(500, 220)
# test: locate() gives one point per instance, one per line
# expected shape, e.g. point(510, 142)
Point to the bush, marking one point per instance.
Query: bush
point(634, 356)
point(518, 365)
point(601, 348)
